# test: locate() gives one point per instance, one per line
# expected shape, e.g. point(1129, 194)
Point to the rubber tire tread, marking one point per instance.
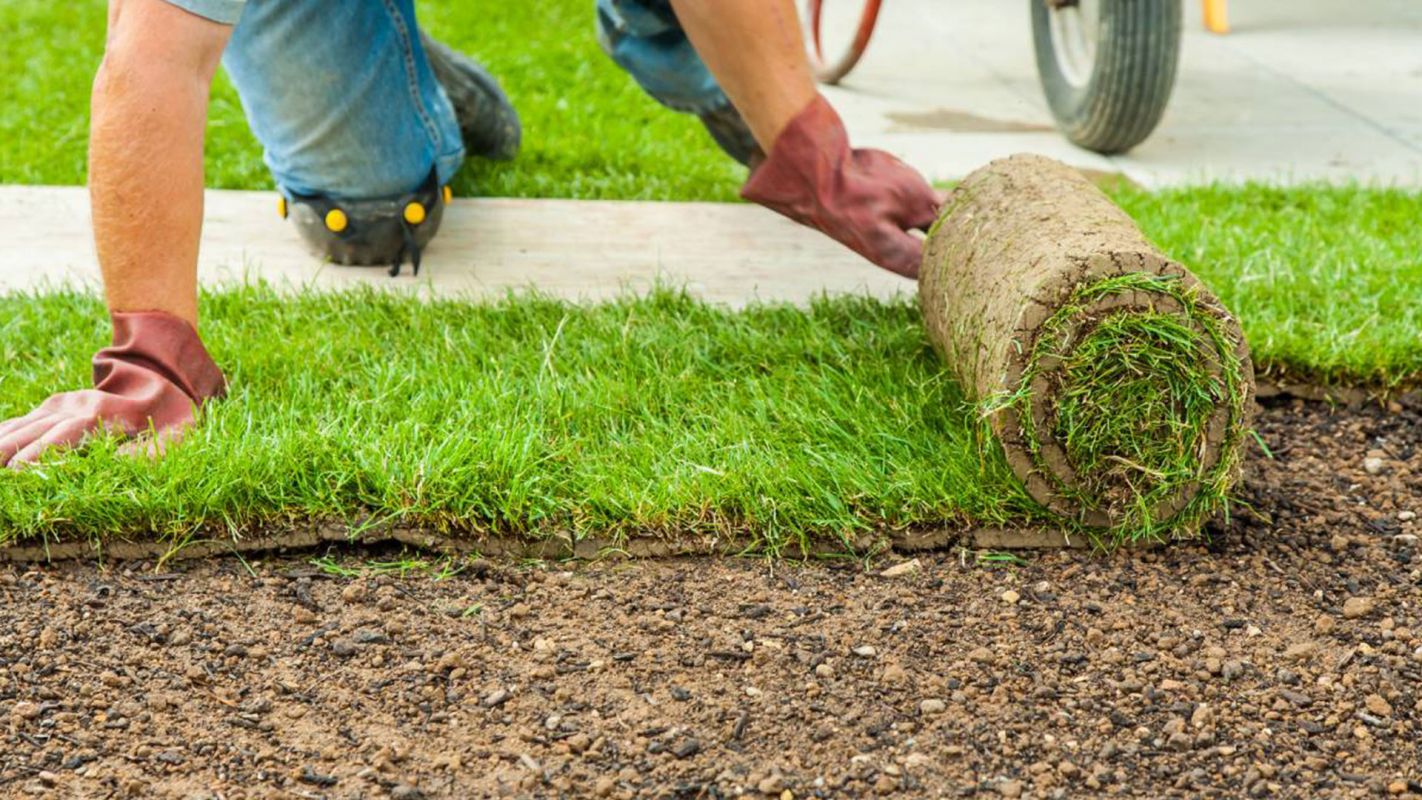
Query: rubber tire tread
point(1131, 81)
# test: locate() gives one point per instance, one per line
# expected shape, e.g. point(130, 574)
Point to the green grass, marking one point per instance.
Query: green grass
point(527, 417)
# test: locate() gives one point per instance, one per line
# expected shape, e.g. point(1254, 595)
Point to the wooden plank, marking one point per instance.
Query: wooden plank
point(578, 250)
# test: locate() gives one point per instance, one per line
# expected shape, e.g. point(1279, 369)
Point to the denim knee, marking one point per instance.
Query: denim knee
point(645, 38)
point(342, 97)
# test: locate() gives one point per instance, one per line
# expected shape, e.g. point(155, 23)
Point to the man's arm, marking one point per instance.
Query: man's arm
point(149, 112)
point(866, 199)
point(146, 153)
point(757, 53)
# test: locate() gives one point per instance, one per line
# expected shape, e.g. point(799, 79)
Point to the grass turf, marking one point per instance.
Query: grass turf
point(1134, 399)
point(660, 414)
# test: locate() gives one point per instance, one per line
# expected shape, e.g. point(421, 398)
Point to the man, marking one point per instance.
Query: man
point(363, 123)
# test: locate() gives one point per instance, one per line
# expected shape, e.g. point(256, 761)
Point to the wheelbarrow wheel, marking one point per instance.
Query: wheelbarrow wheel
point(833, 67)
point(1107, 67)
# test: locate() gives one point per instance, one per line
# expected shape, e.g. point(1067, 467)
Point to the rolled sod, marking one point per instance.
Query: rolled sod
point(1117, 386)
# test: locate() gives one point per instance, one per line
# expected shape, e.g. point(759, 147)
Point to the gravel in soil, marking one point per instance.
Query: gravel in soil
point(1282, 660)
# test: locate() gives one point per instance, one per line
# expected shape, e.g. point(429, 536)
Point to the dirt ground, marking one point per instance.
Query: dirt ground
point(1284, 660)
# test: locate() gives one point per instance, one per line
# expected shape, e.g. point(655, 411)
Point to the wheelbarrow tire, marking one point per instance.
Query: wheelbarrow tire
point(1131, 77)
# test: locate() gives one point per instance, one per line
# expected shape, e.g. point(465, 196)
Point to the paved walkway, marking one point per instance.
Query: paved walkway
point(1299, 90)
point(577, 250)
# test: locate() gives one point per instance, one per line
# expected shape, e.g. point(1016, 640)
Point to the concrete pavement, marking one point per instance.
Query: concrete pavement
point(1300, 90)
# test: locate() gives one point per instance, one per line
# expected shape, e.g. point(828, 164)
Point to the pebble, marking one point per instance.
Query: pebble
point(1406, 516)
point(901, 569)
point(1010, 788)
point(1355, 607)
point(496, 698)
point(404, 791)
point(1374, 465)
point(1011, 597)
point(1377, 704)
point(865, 651)
point(25, 710)
point(1324, 624)
point(932, 706)
point(1397, 787)
point(604, 786)
point(982, 655)
point(343, 647)
point(824, 671)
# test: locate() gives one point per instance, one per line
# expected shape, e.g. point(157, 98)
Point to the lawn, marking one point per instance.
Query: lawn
point(658, 414)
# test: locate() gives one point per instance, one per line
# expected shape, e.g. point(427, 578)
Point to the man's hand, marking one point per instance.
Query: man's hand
point(154, 377)
point(867, 200)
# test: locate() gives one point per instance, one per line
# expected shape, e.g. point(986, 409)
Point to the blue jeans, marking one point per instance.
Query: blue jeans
point(341, 96)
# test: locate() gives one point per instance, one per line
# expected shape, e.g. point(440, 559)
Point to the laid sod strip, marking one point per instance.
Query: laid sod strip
point(1113, 383)
point(657, 417)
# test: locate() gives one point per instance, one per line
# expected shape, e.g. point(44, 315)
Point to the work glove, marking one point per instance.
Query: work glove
point(867, 200)
point(154, 378)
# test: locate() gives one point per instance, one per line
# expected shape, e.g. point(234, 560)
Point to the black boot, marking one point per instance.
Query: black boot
point(487, 119)
point(730, 132)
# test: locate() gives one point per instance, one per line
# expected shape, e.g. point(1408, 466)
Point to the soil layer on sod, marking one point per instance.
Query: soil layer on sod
point(1116, 384)
point(1282, 661)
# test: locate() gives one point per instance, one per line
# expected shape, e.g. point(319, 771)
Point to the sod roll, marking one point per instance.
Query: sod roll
point(1116, 384)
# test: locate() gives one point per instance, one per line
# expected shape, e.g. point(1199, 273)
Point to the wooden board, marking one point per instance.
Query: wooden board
point(578, 250)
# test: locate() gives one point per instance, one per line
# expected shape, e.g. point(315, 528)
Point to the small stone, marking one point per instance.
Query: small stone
point(865, 651)
point(1397, 787)
point(932, 706)
point(773, 784)
point(1374, 465)
point(1355, 607)
point(917, 760)
point(353, 593)
point(235, 651)
point(1069, 770)
point(885, 784)
point(25, 710)
point(1180, 742)
point(1011, 597)
point(1377, 704)
point(496, 698)
point(1010, 788)
point(901, 569)
point(1324, 624)
point(982, 655)
point(345, 648)
point(1406, 516)
point(604, 786)
point(404, 791)
point(1300, 651)
point(686, 748)
point(1203, 717)
point(823, 670)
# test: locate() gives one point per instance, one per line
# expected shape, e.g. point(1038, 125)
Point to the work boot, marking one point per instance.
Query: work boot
point(731, 132)
point(487, 119)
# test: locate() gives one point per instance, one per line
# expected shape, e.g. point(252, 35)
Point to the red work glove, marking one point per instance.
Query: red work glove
point(154, 377)
point(867, 200)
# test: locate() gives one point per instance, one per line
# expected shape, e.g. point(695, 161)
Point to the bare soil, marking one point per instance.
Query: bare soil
point(1283, 660)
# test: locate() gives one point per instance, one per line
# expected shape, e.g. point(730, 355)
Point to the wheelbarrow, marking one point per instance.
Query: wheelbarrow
point(1107, 67)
